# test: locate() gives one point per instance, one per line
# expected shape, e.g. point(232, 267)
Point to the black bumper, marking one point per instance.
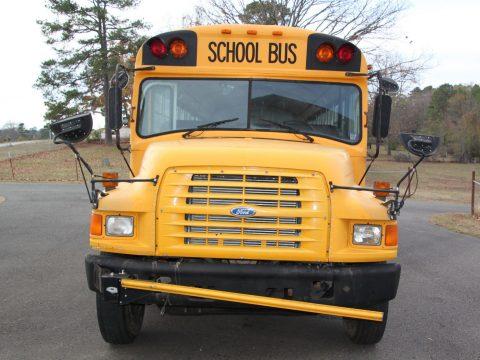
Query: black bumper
point(344, 285)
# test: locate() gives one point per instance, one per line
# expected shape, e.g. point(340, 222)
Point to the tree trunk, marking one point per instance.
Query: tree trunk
point(108, 131)
point(104, 52)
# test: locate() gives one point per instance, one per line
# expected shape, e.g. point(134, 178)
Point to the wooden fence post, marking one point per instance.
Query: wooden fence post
point(472, 209)
point(11, 165)
point(76, 168)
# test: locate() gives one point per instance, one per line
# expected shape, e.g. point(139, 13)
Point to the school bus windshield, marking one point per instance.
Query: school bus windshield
point(322, 109)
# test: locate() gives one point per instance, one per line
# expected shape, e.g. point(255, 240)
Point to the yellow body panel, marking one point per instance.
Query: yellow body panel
point(161, 212)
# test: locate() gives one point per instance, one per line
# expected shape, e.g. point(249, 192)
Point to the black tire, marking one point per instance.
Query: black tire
point(119, 324)
point(366, 332)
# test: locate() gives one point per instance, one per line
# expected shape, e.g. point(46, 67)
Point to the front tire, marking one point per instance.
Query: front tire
point(119, 324)
point(365, 332)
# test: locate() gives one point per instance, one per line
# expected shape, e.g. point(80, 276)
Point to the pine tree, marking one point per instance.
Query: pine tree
point(88, 38)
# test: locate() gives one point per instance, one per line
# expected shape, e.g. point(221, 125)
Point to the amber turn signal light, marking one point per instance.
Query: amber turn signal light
point(325, 53)
point(391, 235)
point(96, 224)
point(385, 185)
point(110, 184)
point(178, 48)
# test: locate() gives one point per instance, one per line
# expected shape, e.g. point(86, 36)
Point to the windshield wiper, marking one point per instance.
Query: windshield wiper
point(291, 129)
point(209, 125)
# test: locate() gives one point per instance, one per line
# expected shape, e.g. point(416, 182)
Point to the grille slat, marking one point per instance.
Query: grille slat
point(262, 191)
point(242, 193)
point(223, 218)
point(226, 190)
point(222, 177)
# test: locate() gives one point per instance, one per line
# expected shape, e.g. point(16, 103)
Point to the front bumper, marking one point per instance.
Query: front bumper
point(359, 285)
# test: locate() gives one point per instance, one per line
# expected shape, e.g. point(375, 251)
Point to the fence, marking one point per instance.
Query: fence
point(472, 203)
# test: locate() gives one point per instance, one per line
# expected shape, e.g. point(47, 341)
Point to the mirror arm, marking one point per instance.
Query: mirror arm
point(122, 150)
point(410, 171)
point(397, 204)
point(80, 158)
point(81, 161)
point(75, 151)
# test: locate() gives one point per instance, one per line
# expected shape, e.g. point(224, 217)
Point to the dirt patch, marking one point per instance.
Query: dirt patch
point(461, 223)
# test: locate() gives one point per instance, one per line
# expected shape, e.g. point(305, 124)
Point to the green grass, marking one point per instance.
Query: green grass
point(461, 223)
point(437, 180)
point(58, 163)
point(26, 149)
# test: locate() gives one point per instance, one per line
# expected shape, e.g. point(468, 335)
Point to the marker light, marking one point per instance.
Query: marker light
point(119, 225)
point(158, 48)
point(345, 53)
point(367, 234)
point(391, 235)
point(178, 48)
point(381, 185)
point(325, 53)
point(96, 224)
point(109, 185)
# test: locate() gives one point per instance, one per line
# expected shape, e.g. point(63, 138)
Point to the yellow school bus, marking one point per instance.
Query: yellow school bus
point(248, 157)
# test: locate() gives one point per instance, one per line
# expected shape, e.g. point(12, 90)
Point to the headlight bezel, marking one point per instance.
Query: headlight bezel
point(130, 219)
point(375, 229)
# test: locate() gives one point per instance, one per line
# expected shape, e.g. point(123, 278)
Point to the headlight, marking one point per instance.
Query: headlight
point(119, 225)
point(367, 234)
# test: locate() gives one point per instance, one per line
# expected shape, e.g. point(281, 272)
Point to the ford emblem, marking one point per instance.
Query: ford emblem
point(243, 212)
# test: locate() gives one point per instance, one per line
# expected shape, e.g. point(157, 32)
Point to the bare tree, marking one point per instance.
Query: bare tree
point(353, 20)
point(405, 72)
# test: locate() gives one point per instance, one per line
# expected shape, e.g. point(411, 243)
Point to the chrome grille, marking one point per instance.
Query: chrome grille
point(246, 193)
point(290, 221)
point(239, 242)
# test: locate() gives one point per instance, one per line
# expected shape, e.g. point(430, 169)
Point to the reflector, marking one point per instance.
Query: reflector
point(158, 48)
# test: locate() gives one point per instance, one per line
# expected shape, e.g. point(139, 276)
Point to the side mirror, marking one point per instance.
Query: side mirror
point(388, 85)
point(73, 129)
point(119, 82)
point(420, 145)
point(381, 115)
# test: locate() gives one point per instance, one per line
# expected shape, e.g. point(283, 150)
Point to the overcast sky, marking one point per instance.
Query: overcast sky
point(447, 31)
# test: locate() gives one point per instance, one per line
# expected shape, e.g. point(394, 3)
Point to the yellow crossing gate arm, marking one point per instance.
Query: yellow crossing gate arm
point(253, 300)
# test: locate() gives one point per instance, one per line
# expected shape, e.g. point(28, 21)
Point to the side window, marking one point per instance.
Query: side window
point(158, 108)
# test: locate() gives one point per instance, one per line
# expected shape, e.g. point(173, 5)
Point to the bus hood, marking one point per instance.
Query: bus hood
point(255, 199)
point(334, 163)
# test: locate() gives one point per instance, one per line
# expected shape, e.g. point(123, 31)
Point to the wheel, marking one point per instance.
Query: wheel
point(367, 332)
point(119, 324)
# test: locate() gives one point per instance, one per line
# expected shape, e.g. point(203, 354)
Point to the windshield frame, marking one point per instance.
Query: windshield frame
point(248, 128)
